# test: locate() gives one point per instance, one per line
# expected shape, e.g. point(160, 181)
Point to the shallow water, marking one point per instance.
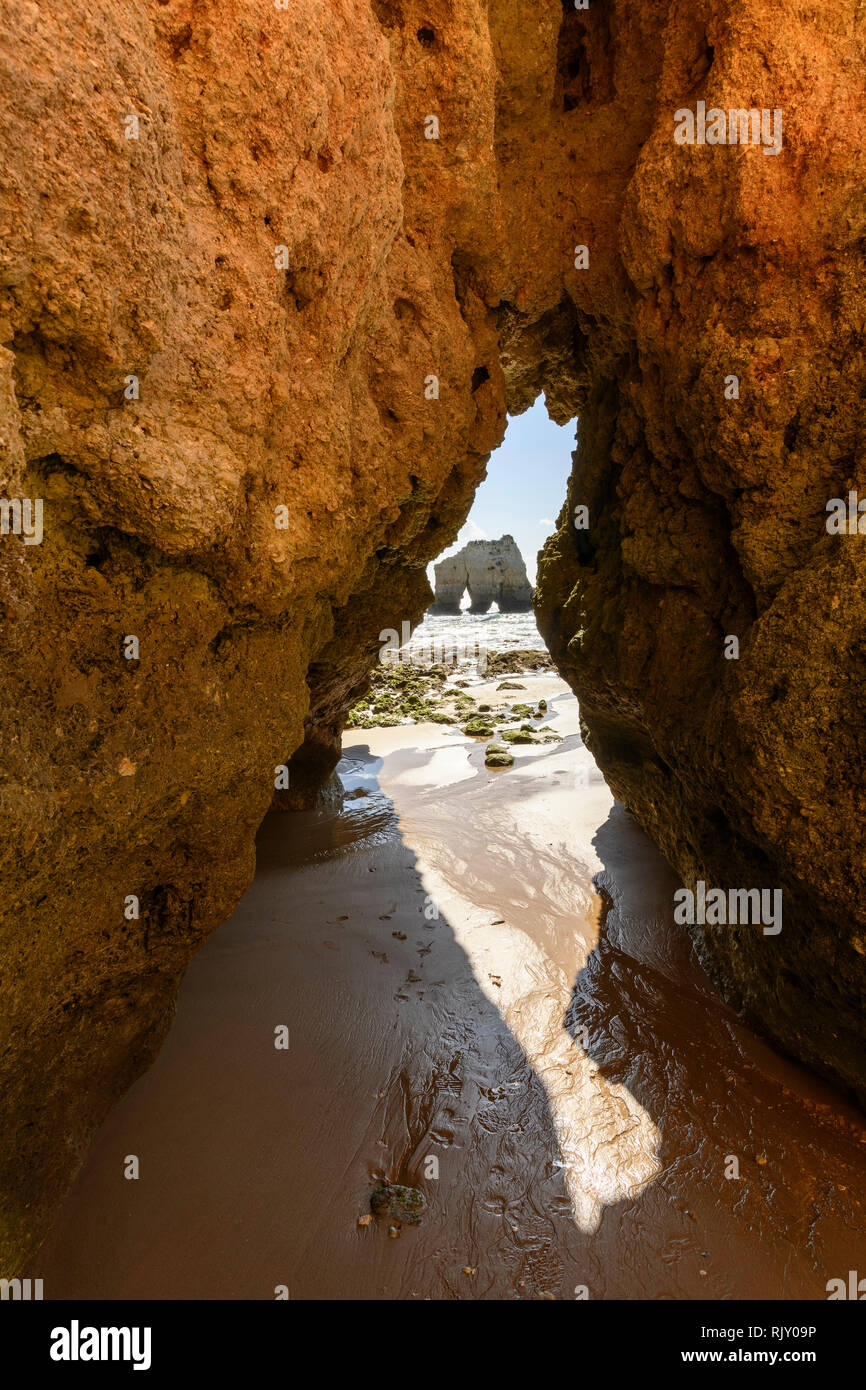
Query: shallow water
point(491, 632)
point(549, 1040)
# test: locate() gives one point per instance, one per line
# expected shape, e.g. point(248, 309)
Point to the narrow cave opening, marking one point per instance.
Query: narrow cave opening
point(453, 1020)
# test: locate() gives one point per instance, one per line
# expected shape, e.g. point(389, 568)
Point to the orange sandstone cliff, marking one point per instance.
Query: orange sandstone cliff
point(269, 280)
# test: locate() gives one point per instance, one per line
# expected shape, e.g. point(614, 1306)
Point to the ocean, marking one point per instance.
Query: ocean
point(492, 632)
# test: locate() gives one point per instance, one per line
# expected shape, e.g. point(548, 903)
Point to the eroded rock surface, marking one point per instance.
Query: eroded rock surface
point(491, 572)
point(258, 388)
point(283, 294)
point(706, 495)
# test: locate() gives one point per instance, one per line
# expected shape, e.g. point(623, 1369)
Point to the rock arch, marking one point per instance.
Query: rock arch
point(490, 571)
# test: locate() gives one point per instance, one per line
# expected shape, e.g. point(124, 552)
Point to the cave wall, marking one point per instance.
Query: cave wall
point(307, 386)
point(259, 387)
point(707, 513)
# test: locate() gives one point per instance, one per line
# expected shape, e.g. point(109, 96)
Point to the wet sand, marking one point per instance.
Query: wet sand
point(549, 1041)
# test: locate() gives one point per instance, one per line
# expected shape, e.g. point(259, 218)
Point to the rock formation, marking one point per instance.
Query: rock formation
point(269, 281)
point(492, 572)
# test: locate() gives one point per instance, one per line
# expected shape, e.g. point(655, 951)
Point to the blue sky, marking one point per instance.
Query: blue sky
point(525, 485)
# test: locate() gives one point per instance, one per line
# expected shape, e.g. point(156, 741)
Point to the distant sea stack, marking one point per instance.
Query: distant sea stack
point(492, 571)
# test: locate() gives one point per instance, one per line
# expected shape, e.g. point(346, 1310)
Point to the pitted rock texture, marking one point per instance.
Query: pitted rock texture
point(490, 571)
point(258, 388)
point(707, 505)
point(284, 303)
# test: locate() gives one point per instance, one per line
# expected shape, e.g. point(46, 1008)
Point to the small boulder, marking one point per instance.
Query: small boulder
point(498, 757)
point(478, 728)
point(397, 1202)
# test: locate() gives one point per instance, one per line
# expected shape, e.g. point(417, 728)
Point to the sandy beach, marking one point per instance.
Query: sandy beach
point(487, 1000)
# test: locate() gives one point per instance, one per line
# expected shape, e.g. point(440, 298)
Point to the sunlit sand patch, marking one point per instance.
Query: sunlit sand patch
point(443, 767)
point(608, 1144)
